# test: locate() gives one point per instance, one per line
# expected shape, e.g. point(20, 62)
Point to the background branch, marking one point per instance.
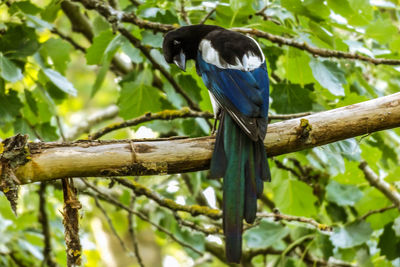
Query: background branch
point(389, 191)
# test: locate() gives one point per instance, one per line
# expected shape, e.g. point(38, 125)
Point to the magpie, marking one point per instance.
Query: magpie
point(233, 68)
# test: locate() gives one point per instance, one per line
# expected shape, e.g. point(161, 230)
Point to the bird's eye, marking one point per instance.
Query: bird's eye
point(176, 42)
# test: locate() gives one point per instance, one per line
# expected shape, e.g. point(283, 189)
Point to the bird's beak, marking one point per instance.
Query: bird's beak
point(180, 60)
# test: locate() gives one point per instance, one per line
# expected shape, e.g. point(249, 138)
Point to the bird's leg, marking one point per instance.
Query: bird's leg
point(216, 118)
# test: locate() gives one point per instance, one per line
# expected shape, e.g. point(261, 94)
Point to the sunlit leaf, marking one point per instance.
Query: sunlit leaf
point(343, 194)
point(328, 75)
point(351, 235)
point(60, 81)
point(389, 243)
point(290, 98)
point(295, 197)
point(265, 234)
point(8, 70)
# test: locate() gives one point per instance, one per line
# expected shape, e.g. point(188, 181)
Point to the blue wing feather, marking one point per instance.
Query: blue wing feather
point(244, 91)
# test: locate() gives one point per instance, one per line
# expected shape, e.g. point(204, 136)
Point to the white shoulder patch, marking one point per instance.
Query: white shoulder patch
point(249, 61)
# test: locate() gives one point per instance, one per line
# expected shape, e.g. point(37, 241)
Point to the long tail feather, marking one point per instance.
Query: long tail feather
point(233, 187)
point(219, 162)
point(243, 164)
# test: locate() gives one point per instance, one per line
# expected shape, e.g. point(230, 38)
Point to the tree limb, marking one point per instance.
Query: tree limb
point(389, 191)
point(155, 26)
point(162, 156)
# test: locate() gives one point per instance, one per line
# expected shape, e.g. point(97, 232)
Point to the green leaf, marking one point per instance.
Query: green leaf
point(295, 197)
point(341, 7)
point(51, 10)
point(297, 67)
point(59, 52)
point(8, 70)
point(351, 235)
point(19, 42)
point(323, 245)
point(352, 175)
point(348, 148)
point(47, 131)
point(95, 53)
point(328, 75)
point(9, 106)
point(396, 226)
point(60, 81)
point(389, 243)
point(37, 23)
point(31, 101)
point(100, 78)
point(151, 39)
point(314, 9)
point(132, 52)
point(189, 84)
point(27, 7)
point(373, 199)
point(195, 239)
point(241, 6)
point(290, 98)
point(343, 194)
point(139, 97)
point(382, 30)
point(264, 235)
point(112, 48)
point(363, 12)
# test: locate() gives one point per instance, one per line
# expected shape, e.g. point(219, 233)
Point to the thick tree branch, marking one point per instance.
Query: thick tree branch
point(161, 156)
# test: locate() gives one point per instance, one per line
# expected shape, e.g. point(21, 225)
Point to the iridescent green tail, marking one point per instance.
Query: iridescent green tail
point(243, 164)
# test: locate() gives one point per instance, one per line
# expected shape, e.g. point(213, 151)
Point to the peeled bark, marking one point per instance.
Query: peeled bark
point(149, 157)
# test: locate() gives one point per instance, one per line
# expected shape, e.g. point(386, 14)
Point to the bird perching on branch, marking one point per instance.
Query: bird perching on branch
point(233, 68)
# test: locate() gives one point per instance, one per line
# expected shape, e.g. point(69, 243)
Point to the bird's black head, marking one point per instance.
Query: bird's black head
point(182, 44)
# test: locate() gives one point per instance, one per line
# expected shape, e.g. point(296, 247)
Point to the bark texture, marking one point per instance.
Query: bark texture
point(86, 158)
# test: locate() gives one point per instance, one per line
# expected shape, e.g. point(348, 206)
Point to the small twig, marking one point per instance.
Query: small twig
point(266, 17)
point(282, 166)
point(207, 16)
point(141, 216)
point(132, 232)
point(267, 201)
point(207, 231)
point(290, 218)
point(331, 262)
point(94, 119)
point(194, 210)
point(184, 13)
point(162, 115)
point(372, 212)
point(44, 221)
point(200, 199)
point(288, 116)
point(314, 50)
point(69, 40)
point(388, 190)
point(110, 223)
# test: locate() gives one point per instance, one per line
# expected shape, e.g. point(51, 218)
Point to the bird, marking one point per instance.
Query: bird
point(233, 68)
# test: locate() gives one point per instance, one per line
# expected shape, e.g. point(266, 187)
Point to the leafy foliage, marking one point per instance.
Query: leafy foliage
point(61, 62)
